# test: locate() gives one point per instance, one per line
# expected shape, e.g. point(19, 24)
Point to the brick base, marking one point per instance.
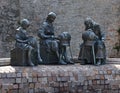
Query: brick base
point(60, 79)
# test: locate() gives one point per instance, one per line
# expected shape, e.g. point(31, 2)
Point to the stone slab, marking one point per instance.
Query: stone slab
point(109, 60)
point(4, 61)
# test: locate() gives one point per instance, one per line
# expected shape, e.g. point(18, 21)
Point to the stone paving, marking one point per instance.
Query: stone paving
point(60, 79)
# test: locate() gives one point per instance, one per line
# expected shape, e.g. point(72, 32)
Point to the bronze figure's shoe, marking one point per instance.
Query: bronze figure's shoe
point(40, 62)
point(31, 64)
point(69, 62)
point(82, 62)
point(62, 62)
point(98, 62)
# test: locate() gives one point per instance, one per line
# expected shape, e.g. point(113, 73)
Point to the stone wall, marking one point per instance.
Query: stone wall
point(70, 17)
point(60, 79)
point(9, 15)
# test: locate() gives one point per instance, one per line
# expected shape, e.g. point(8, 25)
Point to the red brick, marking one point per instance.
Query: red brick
point(109, 72)
point(31, 85)
point(15, 86)
point(102, 77)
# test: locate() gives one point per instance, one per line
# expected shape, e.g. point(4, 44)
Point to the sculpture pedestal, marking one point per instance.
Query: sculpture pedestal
point(60, 79)
point(48, 57)
point(4, 61)
point(18, 57)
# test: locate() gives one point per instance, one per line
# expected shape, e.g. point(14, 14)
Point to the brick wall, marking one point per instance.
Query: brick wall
point(60, 79)
point(70, 17)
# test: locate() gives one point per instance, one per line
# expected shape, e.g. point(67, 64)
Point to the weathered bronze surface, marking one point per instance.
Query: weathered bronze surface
point(26, 50)
point(53, 50)
point(92, 50)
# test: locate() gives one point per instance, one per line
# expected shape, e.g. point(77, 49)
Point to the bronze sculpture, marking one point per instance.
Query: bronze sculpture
point(64, 43)
point(49, 43)
point(89, 23)
point(92, 50)
point(100, 45)
point(27, 43)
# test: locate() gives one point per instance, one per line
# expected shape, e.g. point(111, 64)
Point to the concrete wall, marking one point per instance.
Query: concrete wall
point(70, 17)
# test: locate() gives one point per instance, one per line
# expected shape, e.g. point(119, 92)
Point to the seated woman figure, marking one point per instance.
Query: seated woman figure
point(49, 41)
point(26, 42)
point(87, 49)
point(92, 30)
point(86, 36)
